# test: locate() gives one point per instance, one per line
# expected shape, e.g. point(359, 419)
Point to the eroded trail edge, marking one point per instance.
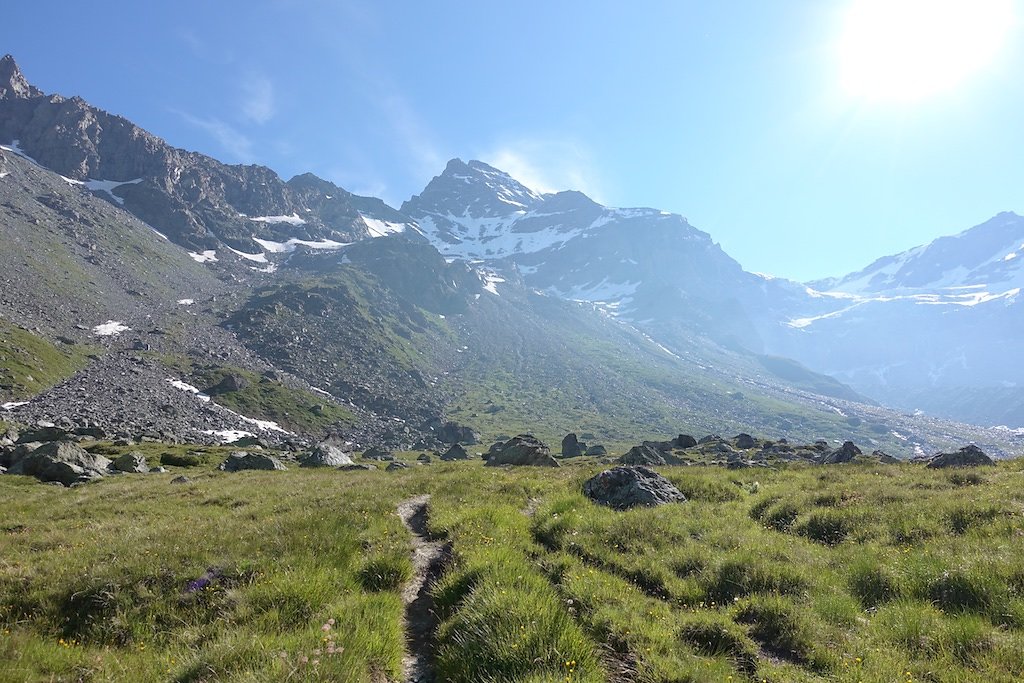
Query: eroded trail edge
point(430, 558)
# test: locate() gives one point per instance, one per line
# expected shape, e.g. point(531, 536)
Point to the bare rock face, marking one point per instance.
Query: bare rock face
point(968, 456)
point(12, 83)
point(62, 462)
point(622, 488)
point(524, 449)
point(241, 460)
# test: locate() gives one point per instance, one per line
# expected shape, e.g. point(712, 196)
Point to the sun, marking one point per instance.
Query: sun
point(909, 50)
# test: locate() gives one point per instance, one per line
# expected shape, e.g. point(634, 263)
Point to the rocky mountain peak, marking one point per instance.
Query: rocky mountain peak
point(473, 189)
point(13, 84)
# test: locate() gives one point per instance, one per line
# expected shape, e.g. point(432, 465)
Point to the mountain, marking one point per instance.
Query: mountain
point(156, 291)
point(223, 211)
point(906, 331)
point(936, 328)
point(647, 266)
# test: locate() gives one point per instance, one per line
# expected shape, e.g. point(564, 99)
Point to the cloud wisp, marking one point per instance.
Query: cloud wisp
point(547, 165)
point(258, 103)
point(231, 140)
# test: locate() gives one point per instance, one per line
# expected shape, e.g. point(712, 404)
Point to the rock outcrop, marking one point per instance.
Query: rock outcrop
point(456, 452)
point(132, 462)
point(571, 447)
point(845, 453)
point(325, 455)
point(524, 449)
point(240, 460)
point(622, 488)
point(968, 456)
point(62, 462)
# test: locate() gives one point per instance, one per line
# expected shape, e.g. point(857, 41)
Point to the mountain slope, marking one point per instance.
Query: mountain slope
point(382, 340)
point(194, 200)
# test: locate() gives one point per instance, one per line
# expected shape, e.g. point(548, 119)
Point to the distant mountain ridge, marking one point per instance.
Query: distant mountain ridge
point(988, 256)
point(358, 316)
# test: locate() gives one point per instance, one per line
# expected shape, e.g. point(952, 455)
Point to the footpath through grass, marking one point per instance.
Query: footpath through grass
point(841, 573)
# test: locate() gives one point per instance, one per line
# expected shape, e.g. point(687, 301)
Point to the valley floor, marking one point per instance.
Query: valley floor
point(859, 572)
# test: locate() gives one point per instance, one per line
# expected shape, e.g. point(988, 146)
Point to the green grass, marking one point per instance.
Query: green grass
point(30, 364)
point(751, 580)
point(264, 398)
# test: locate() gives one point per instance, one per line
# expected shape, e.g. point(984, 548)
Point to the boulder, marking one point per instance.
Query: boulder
point(744, 441)
point(324, 455)
point(396, 465)
point(968, 456)
point(571, 446)
point(845, 453)
point(661, 446)
point(377, 453)
point(456, 452)
point(597, 449)
point(231, 382)
point(709, 439)
point(622, 488)
point(62, 462)
point(885, 458)
point(43, 434)
point(181, 479)
point(684, 441)
point(240, 460)
point(357, 466)
point(452, 432)
point(524, 449)
point(643, 455)
point(424, 458)
point(133, 462)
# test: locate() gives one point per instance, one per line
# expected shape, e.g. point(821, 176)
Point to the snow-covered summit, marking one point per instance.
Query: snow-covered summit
point(988, 256)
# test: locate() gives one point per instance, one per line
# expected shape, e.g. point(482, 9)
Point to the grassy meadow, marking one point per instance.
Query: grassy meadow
point(858, 572)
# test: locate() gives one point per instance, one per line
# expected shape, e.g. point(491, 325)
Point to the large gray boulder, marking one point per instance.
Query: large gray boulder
point(63, 462)
point(324, 455)
point(240, 460)
point(622, 488)
point(456, 452)
point(744, 441)
point(649, 454)
point(43, 434)
point(644, 454)
point(524, 449)
point(684, 441)
point(845, 453)
point(378, 453)
point(132, 462)
point(571, 447)
point(968, 456)
point(597, 450)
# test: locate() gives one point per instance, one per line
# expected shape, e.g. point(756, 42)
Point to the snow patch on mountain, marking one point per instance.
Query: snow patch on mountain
point(110, 328)
point(108, 187)
point(289, 246)
point(209, 255)
point(378, 228)
point(292, 219)
point(256, 258)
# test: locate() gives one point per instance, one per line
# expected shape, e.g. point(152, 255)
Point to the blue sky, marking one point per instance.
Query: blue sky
point(731, 113)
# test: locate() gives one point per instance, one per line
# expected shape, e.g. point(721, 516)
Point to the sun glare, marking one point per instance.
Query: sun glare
point(907, 50)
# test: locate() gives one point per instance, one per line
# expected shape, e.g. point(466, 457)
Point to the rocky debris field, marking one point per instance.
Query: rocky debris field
point(76, 454)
